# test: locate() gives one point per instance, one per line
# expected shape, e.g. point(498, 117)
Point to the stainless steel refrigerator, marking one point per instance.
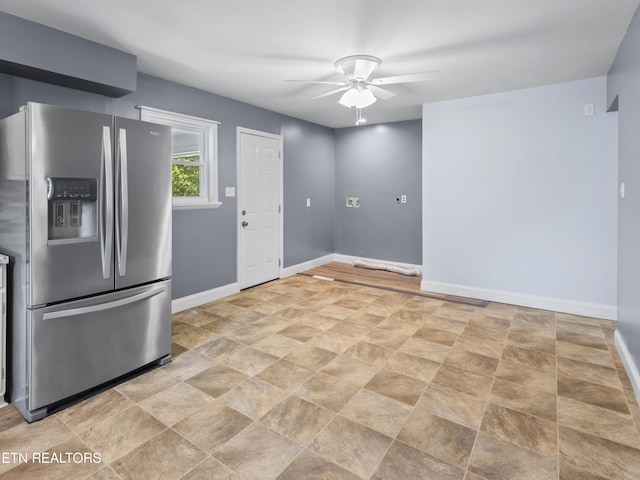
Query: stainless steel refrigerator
point(85, 214)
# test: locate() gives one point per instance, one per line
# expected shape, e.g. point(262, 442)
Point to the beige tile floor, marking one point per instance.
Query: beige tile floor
point(308, 379)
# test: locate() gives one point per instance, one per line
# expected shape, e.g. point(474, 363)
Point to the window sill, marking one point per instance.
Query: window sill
point(196, 206)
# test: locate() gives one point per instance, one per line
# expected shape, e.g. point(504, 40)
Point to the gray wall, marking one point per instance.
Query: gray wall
point(624, 83)
point(520, 197)
point(308, 173)
point(204, 252)
point(380, 163)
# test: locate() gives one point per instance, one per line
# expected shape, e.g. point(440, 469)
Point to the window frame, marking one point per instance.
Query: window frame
point(208, 133)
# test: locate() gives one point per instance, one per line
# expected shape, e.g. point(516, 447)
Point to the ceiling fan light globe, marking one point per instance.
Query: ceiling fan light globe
point(357, 97)
point(365, 99)
point(349, 97)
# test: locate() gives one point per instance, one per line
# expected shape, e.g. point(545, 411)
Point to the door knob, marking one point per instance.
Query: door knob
point(244, 224)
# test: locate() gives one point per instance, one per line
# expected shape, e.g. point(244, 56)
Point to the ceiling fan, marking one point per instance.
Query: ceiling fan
point(359, 90)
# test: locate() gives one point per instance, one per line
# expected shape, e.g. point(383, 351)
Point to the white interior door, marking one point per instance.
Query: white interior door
point(259, 207)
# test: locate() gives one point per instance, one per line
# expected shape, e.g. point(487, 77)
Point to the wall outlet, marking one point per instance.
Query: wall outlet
point(403, 199)
point(229, 191)
point(308, 202)
point(589, 109)
point(353, 201)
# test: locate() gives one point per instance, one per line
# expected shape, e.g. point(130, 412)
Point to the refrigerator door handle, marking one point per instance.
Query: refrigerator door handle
point(122, 222)
point(103, 306)
point(106, 203)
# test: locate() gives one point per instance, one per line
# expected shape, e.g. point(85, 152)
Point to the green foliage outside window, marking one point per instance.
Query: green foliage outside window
point(185, 178)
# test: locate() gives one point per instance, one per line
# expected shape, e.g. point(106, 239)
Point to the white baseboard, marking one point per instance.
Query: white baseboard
point(301, 267)
point(339, 257)
point(609, 312)
point(629, 365)
point(200, 298)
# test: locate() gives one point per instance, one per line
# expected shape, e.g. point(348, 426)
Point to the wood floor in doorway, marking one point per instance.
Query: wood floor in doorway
point(346, 273)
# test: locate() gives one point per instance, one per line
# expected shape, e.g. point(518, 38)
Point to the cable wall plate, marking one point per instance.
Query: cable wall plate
point(353, 201)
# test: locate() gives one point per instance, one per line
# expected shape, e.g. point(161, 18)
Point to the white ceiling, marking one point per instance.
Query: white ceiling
point(246, 49)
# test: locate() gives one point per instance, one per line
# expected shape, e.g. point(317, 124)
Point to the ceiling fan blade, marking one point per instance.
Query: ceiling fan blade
point(313, 81)
point(329, 93)
point(381, 93)
point(411, 77)
point(363, 68)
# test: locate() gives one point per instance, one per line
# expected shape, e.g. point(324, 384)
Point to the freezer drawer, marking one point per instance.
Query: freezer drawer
point(82, 344)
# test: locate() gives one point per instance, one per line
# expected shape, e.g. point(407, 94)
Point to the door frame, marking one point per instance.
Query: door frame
point(240, 276)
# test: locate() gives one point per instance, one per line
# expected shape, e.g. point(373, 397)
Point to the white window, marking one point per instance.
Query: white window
point(194, 157)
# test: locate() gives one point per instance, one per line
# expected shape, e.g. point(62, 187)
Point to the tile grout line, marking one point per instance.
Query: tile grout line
point(292, 393)
point(431, 381)
point(413, 407)
point(382, 457)
point(207, 457)
point(337, 413)
point(486, 404)
point(395, 437)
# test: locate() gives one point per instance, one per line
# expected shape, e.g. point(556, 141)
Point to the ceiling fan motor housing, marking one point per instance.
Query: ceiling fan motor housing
point(357, 67)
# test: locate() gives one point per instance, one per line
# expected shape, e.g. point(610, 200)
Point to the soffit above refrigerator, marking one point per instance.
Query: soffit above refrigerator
point(35, 51)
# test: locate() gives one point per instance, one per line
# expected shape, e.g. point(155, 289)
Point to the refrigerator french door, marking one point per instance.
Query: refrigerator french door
point(94, 261)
